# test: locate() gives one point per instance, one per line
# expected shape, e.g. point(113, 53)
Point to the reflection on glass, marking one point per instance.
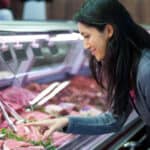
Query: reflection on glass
point(52, 54)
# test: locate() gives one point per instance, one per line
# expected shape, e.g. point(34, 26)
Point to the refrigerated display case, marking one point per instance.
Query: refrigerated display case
point(34, 55)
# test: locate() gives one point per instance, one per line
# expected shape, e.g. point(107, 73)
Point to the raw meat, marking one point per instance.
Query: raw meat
point(17, 97)
point(1, 144)
point(13, 144)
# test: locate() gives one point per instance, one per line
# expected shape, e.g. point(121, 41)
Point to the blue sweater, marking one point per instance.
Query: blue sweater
point(108, 122)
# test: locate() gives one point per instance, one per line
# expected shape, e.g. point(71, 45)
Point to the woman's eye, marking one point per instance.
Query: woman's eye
point(86, 36)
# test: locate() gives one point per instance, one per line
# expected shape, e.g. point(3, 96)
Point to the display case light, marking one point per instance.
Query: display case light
point(50, 43)
point(37, 50)
point(5, 52)
point(23, 38)
point(20, 51)
point(4, 47)
point(34, 44)
point(67, 37)
point(18, 46)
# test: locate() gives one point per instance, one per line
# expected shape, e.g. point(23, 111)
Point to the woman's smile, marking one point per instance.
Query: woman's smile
point(93, 51)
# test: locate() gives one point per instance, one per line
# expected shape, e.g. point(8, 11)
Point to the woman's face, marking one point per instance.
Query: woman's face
point(94, 40)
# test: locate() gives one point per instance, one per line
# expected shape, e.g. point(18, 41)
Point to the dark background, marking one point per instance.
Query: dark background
point(64, 9)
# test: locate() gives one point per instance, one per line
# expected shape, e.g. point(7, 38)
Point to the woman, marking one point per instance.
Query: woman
point(120, 60)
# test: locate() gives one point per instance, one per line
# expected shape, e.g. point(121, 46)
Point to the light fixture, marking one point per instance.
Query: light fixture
point(23, 38)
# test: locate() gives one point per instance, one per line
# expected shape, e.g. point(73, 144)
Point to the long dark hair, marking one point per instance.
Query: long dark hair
point(119, 67)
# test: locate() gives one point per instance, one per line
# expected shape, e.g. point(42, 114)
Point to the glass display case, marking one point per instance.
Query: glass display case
point(53, 47)
point(52, 52)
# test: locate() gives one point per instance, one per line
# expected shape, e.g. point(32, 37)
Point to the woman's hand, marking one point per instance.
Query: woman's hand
point(51, 124)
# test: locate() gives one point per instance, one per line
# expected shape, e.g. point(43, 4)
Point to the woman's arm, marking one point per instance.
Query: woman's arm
point(103, 123)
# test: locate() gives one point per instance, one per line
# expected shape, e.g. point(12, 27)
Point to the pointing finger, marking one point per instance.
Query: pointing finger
point(38, 123)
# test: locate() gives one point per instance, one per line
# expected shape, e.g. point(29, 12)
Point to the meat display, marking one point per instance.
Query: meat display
point(17, 97)
point(81, 97)
point(82, 91)
point(13, 144)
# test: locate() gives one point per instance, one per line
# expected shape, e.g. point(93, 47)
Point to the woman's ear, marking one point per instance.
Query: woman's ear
point(109, 30)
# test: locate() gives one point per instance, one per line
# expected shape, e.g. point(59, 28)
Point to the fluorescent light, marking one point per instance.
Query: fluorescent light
point(22, 38)
point(31, 38)
point(66, 37)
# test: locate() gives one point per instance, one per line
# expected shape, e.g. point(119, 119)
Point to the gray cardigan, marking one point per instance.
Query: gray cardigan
point(107, 122)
